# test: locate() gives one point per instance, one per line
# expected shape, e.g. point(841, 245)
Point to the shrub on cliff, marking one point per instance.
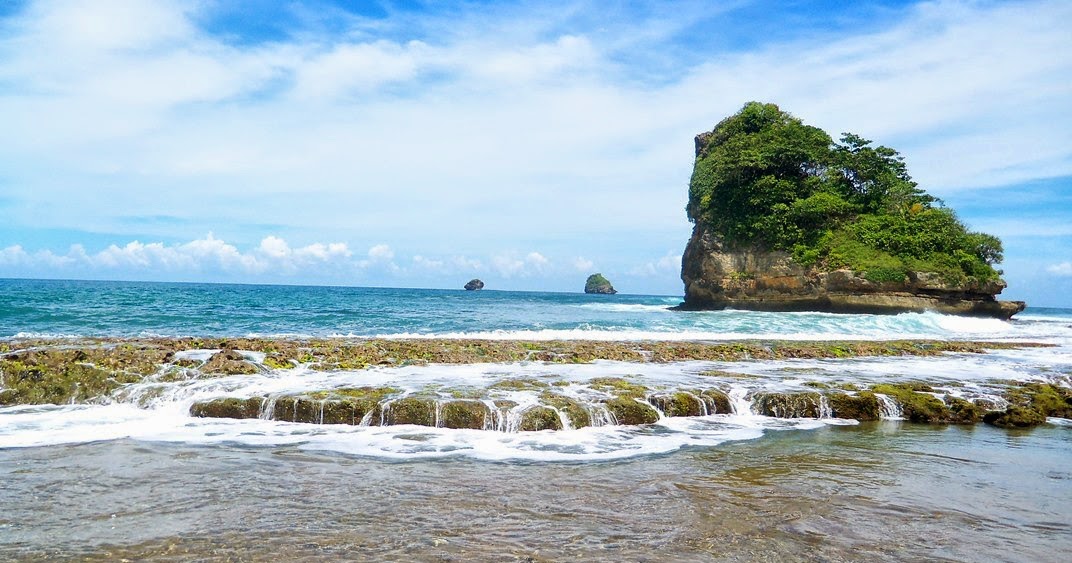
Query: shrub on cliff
point(764, 178)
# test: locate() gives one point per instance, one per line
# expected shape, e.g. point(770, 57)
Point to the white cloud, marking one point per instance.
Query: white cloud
point(582, 264)
point(427, 263)
point(275, 247)
point(381, 252)
point(668, 264)
point(464, 263)
point(208, 254)
point(1062, 269)
point(13, 255)
point(537, 261)
point(353, 69)
point(510, 265)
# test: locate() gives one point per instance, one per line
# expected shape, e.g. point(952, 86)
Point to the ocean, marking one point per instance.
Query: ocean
point(136, 476)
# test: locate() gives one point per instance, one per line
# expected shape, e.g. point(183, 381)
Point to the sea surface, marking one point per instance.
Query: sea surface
point(136, 477)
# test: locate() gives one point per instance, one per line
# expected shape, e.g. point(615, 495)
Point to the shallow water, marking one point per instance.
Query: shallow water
point(878, 491)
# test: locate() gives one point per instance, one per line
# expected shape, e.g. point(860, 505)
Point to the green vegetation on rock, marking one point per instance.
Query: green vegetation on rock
point(596, 283)
point(1015, 417)
point(788, 405)
point(764, 178)
point(540, 418)
point(861, 406)
point(629, 411)
point(1046, 398)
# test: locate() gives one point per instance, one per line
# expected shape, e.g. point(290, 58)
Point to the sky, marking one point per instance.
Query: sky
point(529, 144)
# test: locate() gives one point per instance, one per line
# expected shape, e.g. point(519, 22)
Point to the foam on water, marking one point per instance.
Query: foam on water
point(159, 411)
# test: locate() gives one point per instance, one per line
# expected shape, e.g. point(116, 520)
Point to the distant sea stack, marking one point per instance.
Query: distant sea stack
point(787, 219)
point(598, 284)
point(474, 285)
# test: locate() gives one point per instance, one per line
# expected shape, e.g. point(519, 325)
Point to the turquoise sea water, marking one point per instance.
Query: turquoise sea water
point(135, 476)
point(89, 308)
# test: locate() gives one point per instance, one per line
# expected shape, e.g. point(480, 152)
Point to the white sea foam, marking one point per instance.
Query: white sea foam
point(627, 307)
point(159, 411)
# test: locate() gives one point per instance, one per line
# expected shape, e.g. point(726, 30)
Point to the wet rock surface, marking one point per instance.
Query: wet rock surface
point(717, 276)
point(102, 370)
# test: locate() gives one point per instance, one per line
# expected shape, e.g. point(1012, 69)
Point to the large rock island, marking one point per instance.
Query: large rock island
point(786, 219)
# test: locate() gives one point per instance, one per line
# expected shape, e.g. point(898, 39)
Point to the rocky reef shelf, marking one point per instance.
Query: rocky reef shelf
point(523, 385)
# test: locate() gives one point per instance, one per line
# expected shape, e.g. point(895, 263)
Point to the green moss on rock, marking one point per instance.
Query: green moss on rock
point(1048, 399)
point(787, 405)
point(228, 407)
point(540, 418)
point(618, 387)
point(1015, 417)
point(916, 406)
point(861, 406)
point(56, 378)
point(629, 411)
point(463, 414)
point(680, 403)
point(962, 411)
point(577, 413)
point(410, 410)
point(717, 401)
point(521, 384)
point(228, 362)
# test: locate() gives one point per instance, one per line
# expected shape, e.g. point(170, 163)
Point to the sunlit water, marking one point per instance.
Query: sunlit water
point(138, 477)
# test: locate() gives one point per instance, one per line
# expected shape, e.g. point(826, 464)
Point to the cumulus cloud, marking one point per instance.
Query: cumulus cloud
point(427, 263)
point(510, 264)
point(668, 264)
point(1062, 269)
point(208, 254)
point(381, 252)
point(464, 263)
point(582, 264)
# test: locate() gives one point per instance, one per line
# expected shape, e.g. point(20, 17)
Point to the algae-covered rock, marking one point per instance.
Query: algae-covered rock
point(916, 406)
point(540, 418)
point(717, 401)
point(228, 407)
point(861, 406)
point(631, 412)
point(1015, 417)
point(1048, 399)
point(520, 384)
point(228, 362)
point(463, 414)
point(297, 409)
point(410, 410)
point(680, 403)
point(55, 377)
point(578, 414)
point(787, 405)
point(618, 387)
point(962, 411)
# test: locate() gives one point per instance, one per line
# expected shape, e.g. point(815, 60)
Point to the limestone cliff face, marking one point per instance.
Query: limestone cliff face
point(718, 277)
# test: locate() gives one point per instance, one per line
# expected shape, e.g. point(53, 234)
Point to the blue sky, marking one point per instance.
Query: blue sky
point(529, 144)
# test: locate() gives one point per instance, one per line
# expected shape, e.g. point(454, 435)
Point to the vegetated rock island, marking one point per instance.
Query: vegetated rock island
point(474, 285)
point(596, 283)
point(787, 219)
